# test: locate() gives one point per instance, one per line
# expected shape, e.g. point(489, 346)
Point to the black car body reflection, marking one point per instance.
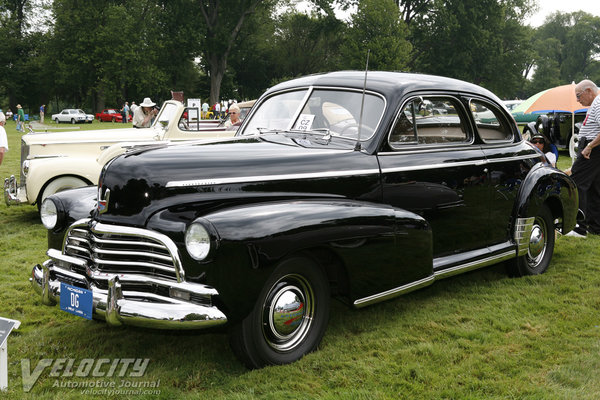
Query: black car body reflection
point(310, 200)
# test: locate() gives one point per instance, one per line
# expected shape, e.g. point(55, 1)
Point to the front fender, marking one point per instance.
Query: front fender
point(43, 170)
point(378, 248)
point(547, 185)
point(72, 205)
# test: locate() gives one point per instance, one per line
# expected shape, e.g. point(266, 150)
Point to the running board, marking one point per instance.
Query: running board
point(440, 274)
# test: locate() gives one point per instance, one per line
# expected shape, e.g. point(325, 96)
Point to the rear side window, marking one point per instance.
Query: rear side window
point(429, 120)
point(490, 123)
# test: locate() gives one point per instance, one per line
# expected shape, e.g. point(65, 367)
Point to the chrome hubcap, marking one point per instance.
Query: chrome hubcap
point(288, 313)
point(537, 244)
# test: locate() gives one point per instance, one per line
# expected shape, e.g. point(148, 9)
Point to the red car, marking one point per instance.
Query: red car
point(111, 114)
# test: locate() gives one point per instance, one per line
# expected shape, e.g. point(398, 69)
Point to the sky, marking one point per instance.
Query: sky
point(547, 7)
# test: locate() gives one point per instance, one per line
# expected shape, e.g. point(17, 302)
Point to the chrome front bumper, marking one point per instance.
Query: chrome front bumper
point(119, 306)
point(12, 191)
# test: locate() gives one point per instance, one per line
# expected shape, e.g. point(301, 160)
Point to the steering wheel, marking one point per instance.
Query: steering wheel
point(355, 125)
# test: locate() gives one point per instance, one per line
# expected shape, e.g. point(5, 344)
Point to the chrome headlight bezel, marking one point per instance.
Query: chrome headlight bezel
point(25, 167)
point(50, 213)
point(200, 240)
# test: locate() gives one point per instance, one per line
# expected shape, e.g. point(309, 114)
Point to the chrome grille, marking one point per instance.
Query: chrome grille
point(120, 252)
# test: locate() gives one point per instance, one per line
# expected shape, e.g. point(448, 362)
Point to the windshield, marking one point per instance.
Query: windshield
point(335, 111)
point(166, 114)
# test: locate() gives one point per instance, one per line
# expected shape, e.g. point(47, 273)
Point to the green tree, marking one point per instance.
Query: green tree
point(377, 27)
point(481, 41)
point(567, 46)
point(111, 51)
point(222, 25)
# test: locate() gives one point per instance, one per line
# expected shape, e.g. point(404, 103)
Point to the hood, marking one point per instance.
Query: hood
point(146, 181)
point(101, 135)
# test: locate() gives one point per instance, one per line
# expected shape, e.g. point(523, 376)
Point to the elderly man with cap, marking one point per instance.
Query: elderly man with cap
point(3, 138)
point(144, 113)
point(586, 168)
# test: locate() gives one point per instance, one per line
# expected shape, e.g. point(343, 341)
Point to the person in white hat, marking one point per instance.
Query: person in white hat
point(142, 118)
point(3, 138)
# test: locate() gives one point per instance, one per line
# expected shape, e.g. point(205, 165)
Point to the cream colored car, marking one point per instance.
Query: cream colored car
point(52, 162)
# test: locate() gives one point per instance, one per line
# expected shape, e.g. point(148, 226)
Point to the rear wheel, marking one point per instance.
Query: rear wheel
point(573, 147)
point(289, 317)
point(541, 247)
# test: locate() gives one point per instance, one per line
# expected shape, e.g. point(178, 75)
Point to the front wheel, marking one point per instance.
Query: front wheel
point(56, 120)
point(72, 121)
point(541, 247)
point(289, 317)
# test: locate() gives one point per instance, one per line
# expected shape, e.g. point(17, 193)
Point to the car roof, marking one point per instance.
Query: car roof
point(385, 82)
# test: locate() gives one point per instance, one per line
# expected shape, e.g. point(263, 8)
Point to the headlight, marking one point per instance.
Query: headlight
point(197, 241)
point(49, 214)
point(25, 167)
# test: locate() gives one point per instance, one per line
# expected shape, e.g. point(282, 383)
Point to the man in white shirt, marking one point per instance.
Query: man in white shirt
point(586, 168)
point(144, 114)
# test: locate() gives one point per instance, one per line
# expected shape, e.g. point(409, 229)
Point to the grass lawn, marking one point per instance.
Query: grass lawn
point(480, 335)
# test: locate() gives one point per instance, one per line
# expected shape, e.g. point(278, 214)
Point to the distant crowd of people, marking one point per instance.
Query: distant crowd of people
point(219, 110)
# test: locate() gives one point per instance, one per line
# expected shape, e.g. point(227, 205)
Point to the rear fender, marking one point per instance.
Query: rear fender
point(547, 185)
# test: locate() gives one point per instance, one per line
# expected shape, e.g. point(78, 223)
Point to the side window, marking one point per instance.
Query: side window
point(492, 127)
point(429, 120)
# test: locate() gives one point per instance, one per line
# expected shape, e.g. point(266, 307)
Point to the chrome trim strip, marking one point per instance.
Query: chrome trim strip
point(445, 273)
point(58, 255)
point(129, 253)
point(388, 294)
point(247, 179)
point(515, 158)
point(522, 234)
point(41, 157)
point(434, 166)
point(99, 261)
point(124, 242)
point(456, 164)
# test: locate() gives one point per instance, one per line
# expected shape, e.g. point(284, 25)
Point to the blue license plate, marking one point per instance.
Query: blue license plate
point(76, 300)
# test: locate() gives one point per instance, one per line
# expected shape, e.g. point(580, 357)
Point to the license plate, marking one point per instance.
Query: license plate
point(76, 300)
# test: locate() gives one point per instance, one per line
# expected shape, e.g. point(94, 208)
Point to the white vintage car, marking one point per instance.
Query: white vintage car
point(73, 116)
point(52, 162)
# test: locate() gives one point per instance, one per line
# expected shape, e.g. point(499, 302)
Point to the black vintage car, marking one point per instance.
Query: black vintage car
point(339, 184)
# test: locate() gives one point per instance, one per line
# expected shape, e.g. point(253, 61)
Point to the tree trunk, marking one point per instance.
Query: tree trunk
point(217, 71)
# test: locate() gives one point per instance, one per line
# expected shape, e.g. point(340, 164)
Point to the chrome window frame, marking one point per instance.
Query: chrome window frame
point(426, 146)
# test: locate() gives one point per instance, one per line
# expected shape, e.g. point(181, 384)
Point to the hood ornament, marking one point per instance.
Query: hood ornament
point(103, 202)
